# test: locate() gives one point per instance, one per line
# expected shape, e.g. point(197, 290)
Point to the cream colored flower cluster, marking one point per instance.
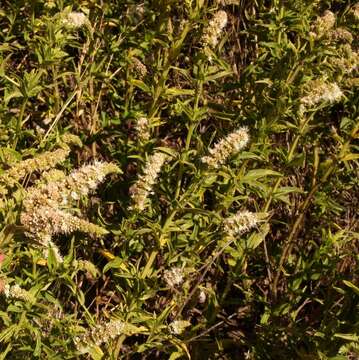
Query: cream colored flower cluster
point(240, 223)
point(48, 245)
point(215, 27)
point(143, 187)
point(75, 20)
point(139, 68)
point(324, 28)
point(104, 332)
point(320, 92)
point(177, 327)
point(226, 147)
point(341, 35)
point(100, 334)
point(324, 24)
point(347, 61)
point(39, 163)
point(16, 292)
point(42, 162)
point(173, 277)
point(43, 206)
point(143, 129)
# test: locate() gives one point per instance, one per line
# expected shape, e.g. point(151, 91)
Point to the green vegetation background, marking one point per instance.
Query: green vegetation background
point(289, 288)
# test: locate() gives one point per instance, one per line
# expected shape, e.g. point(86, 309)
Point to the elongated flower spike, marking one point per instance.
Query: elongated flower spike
point(139, 68)
point(348, 61)
point(44, 215)
point(320, 92)
point(215, 27)
point(341, 35)
point(240, 223)
point(226, 147)
point(42, 162)
point(173, 277)
point(143, 129)
point(75, 20)
point(104, 332)
point(16, 292)
point(324, 24)
point(143, 187)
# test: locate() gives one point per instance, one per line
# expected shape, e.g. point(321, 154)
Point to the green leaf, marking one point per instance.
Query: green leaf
point(8, 333)
point(349, 157)
point(178, 92)
point(349, 337)
point(257, 174)
point(257, 238)
point(176, 355)
point(141, 85)
point(117, 263)
point(10, 94)
point(95, 352)
point(352, 286)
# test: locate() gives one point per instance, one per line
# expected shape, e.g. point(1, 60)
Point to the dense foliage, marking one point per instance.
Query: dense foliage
point(225, 225)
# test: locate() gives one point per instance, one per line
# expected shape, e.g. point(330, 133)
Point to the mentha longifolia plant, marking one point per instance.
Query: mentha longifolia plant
point(47, 206)
point(48, 210)
point(164, 247)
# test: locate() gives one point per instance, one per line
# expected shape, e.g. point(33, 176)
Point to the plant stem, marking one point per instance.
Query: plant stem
point(19, 121)
point(296, 228)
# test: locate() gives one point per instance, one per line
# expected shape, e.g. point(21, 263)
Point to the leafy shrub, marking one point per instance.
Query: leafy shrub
point(231, 230)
